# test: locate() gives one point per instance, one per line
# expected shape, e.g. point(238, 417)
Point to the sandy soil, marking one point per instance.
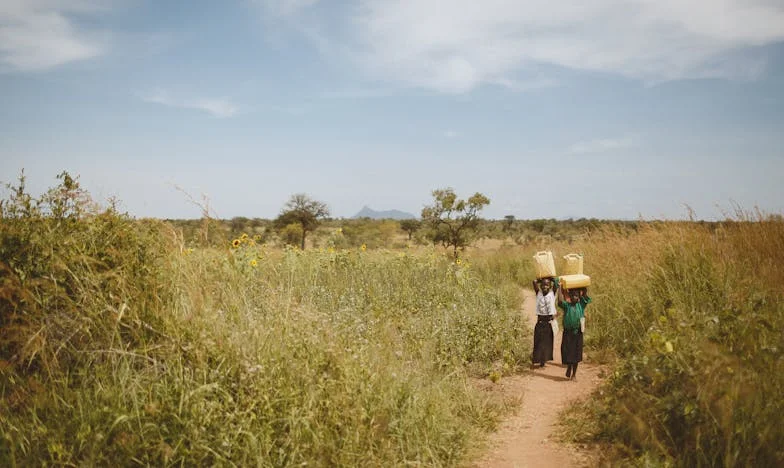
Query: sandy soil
point(528, 438)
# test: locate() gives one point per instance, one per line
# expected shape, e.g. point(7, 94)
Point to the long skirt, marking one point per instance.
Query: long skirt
point(572, 347)
point(543, 341)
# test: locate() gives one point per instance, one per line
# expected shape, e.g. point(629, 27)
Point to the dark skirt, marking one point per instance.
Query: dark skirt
point(572, 347)
point(543, 341)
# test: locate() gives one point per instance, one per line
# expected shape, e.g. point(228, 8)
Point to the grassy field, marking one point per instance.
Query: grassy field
point(694, 315)
point(141, 342)
point(122, 343)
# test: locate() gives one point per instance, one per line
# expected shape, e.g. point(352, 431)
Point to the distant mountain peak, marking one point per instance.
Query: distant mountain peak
point(367, 212)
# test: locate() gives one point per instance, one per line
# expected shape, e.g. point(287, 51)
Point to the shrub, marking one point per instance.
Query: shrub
point(74, 278)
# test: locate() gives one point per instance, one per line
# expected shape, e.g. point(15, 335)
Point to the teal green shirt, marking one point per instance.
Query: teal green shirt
point(578, 307)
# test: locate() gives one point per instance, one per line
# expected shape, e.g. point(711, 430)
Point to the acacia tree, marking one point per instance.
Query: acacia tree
point(451, 221)
point(304, 211)
point(410, 226)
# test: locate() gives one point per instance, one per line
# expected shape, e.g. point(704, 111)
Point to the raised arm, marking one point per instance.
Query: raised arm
point(536, 286)
point(584, 298)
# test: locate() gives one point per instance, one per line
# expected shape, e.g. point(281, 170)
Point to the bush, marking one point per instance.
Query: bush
point(74, 279)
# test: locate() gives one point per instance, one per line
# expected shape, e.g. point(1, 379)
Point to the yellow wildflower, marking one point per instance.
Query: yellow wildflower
point(363, 247)
point(668, 346)
point(235, 243)
point(253, 262)
point(243, 236)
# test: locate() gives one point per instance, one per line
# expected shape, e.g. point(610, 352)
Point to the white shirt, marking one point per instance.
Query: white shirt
point(545, 304)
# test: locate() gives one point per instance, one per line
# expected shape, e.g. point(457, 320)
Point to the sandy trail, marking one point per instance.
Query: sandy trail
point(528, 438)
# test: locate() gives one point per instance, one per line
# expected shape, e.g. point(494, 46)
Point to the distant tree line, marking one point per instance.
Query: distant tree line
point(449, 221)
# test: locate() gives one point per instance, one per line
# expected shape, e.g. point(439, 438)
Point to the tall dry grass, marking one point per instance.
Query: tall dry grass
point(122, 344)
point(694, 311)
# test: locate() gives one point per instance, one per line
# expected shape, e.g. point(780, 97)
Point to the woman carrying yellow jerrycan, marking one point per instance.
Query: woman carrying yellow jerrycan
point(545, 285)
point(573, 299)
point(573, 302)
point(545, 318)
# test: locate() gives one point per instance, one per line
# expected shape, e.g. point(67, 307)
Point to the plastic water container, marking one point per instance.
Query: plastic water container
point(575, 281)
point(544, 265)
point(573, 264)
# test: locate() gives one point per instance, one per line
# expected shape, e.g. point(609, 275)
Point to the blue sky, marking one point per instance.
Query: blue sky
point(607, 109)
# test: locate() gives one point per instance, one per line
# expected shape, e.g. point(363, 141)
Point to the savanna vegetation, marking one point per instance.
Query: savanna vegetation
point(122, 342)
point(203, 342)
point(694, 313)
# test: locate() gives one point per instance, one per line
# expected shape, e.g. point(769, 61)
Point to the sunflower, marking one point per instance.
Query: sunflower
point(253, 262)
point(363, 247)
point(235, 243)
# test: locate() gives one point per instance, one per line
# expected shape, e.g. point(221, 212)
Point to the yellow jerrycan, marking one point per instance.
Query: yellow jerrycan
point(573, 264)
point(574, 281)
point(544, 265)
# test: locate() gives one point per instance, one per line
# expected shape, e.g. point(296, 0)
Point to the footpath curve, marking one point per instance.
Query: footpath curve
point(529, 437)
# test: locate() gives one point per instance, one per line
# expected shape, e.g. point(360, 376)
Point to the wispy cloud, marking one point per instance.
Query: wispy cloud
point(456, 46)
point(40, 34)
point(530, 84)
point(450, 134)
point(601, 145)
point(221, 108)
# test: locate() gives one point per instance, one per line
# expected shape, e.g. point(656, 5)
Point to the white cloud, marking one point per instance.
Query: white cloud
point(601, 145)
point(458, 45)
point(41, 34)
point(526, 85)
point(221, 108)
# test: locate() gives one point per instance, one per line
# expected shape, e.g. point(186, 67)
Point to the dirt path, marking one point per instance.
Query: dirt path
point(528, 438)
